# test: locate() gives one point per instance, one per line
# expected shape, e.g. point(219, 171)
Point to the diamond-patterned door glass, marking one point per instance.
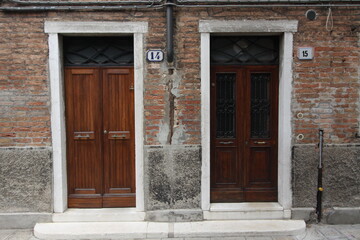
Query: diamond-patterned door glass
point(103, 51)
point(260, 105)
point(244, 50)
point(225, 105)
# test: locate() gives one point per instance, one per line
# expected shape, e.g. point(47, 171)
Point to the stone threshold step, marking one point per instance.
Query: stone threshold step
point(246, 211)
point(156, 230)
point(99, 215)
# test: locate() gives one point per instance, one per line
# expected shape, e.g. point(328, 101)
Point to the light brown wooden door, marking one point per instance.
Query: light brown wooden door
point(244, 107)
point(100, 137)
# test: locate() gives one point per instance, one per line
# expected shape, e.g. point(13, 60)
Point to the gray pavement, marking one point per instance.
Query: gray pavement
point(313, 232)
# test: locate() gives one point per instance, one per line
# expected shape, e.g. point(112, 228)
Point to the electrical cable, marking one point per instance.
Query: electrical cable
point(329, 21)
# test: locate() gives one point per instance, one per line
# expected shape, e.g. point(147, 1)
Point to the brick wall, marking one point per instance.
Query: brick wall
point(24, 89)
point(326, 89)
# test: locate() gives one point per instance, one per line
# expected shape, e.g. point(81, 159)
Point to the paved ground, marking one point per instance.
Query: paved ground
point(313, 232)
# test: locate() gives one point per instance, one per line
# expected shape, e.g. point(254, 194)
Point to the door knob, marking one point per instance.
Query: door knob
point(105, 132)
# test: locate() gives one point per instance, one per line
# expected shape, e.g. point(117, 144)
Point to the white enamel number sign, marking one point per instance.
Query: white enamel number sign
point(305, 53)
point(155, 55)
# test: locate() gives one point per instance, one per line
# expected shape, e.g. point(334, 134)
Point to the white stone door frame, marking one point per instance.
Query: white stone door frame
point(285, 30)
point(56, 30)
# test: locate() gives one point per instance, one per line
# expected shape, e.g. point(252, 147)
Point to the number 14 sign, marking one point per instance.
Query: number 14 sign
point(305, 53)
point(155, 55)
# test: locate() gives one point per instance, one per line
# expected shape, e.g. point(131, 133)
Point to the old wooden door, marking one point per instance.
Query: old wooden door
point(244, 102)
point(100, 136)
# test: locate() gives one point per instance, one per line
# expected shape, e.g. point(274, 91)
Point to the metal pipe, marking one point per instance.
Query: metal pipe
point(52, 3)
point(170, 31)
point(260, 1)
point(169, 5)
point(265, 5)
point(74, 8)
point(158, 6)
point(320, 167)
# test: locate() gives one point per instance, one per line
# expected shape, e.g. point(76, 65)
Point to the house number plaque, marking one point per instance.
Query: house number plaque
point(155, 55)
point(305, 53)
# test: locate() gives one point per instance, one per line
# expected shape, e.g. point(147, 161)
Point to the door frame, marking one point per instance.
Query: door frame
point(285, 29)
point(56, 30)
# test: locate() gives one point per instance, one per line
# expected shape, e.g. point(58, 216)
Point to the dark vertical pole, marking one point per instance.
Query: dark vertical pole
point(320, 188)
point(170, 31)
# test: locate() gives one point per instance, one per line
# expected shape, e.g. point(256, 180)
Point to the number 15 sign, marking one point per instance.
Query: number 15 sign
point(155, 55)
point(305, 53)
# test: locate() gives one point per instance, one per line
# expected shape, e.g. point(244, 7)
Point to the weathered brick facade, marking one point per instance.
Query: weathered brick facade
point(325, 89)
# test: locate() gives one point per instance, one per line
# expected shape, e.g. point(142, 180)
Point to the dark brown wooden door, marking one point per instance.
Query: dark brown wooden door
point(100, 137)
point(244, 107)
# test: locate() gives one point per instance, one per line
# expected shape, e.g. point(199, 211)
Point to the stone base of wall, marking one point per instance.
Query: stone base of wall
point(342, 215)
point(341, 176)
point(23, 220)
point(172, 178)
point(25, 180)
point(306, 214)
point(330, 215)
point(175, 215)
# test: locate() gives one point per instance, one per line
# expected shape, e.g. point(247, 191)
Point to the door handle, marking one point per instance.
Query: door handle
point(260, 142)
point(118, 136)
point(82, 136)
point(229, 142)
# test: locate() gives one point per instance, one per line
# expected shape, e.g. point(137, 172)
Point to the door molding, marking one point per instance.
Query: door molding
point(58, 130)
point(285, 29)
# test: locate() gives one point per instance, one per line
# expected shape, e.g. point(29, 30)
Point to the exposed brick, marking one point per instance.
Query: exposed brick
point(332, 77)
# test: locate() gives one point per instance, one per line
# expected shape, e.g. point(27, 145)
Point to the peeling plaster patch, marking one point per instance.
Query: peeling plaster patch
point(169, 127)
point(179, 135)
point(175, 84)
point(163, 134)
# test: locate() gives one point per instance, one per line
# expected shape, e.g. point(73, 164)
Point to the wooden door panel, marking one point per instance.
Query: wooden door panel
point(226, 166)
point(260, 195)
point(227, 195)
point(259, 167)
point(119, 147)
point(113, 200)
point(90, 201)
point(100, 137)
point(83, 137)
point(226, 181)
point(243, 133)
point(261, 150)
point(119, 177)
